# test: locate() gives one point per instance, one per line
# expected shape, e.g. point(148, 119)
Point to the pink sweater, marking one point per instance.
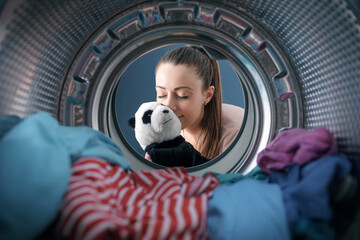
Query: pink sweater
point(232, 118)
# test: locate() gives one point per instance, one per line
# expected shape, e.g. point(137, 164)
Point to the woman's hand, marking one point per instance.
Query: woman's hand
point(147, 157)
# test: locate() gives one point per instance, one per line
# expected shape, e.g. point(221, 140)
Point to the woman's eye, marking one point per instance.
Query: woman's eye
point(162, 96)
point(183, 97)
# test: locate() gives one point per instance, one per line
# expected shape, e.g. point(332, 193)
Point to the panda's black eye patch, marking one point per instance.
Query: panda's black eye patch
point(147, 117)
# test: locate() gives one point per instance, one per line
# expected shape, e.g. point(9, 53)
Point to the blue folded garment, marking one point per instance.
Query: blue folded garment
point(247, 209)
point(306, 188)
point(35, 166)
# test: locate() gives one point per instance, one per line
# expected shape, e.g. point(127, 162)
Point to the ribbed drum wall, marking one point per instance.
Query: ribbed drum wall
point(323, 39)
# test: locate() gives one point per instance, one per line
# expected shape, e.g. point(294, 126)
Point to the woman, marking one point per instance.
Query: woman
point(188, 82)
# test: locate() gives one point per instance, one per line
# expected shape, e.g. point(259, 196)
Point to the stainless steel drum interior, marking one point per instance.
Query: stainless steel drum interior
point(298, 61)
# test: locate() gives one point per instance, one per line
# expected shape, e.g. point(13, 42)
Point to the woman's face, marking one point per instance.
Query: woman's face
point(179, 87)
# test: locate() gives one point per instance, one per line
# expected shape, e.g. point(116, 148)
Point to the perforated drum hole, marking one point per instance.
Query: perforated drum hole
point(262, 46)
point(141, 18)
point(280, 75)
point(113, 35)
point(96, 50)
point(246, 32)
point(80, 79)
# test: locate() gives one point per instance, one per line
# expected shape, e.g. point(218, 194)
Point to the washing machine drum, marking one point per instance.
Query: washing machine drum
point(298, 63)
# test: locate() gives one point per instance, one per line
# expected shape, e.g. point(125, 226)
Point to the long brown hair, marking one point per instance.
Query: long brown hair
point(208, 70)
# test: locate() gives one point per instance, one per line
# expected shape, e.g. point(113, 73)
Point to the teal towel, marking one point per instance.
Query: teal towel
point(35, 166)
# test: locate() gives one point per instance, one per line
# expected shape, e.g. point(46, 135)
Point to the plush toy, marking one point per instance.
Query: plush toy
point(157, 129)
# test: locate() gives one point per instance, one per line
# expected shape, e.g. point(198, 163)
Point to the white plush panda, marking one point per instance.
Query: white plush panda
point(157, 129)
point(154, 123)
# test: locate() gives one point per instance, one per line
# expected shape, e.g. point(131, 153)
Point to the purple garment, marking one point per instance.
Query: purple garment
point(296, 146)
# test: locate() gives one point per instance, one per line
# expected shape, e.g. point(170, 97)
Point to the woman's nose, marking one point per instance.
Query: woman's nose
point(171, 103)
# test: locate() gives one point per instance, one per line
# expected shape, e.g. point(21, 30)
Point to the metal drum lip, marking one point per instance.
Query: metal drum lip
point(260, 110)
point(111, 131)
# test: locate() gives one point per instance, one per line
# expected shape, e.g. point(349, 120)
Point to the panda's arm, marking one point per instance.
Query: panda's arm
point(182, 155)
point(170, 157)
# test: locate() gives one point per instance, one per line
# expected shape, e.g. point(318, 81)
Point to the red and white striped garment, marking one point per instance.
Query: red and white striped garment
point(104, 201)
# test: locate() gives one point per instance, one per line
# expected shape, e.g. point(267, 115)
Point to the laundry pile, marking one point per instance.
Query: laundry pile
point(76, 182)
point(292, 199)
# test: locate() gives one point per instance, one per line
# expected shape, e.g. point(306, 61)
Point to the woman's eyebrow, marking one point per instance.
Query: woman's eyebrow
point(177, 88)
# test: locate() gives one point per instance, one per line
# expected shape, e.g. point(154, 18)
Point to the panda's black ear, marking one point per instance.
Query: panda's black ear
point(131, 122)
